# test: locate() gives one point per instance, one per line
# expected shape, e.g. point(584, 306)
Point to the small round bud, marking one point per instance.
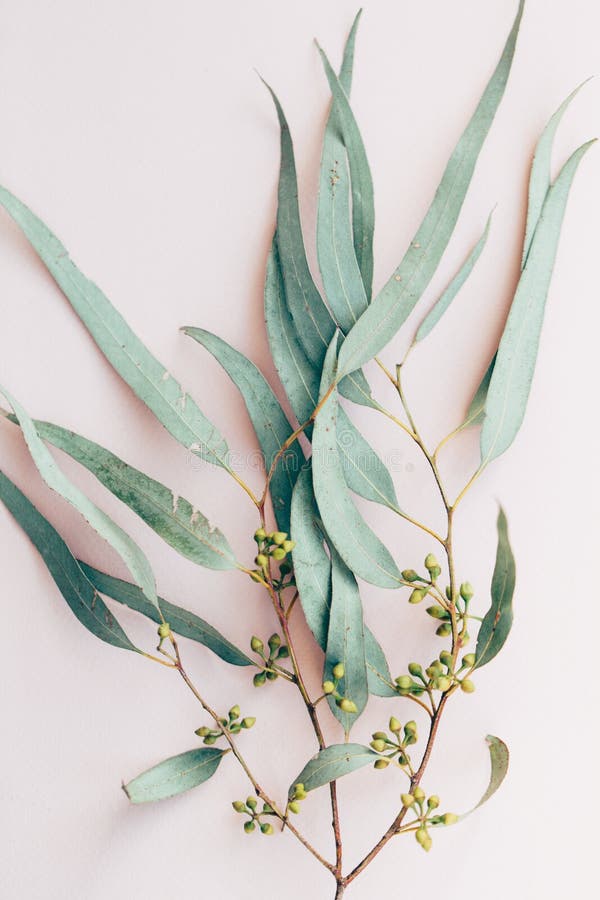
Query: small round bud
point(257, 645)
point(431, 562)
point(259, 679)
point(202, 732)
point(210, 739)
point(248, 722)
point(469, 660)
point(466, 591)
point(164, 630)
point(395, 725)
point(234, 712)
point(436, 612)
point(262, 561)
point(433, 802)
point(239, 806)
point(404, 682)
point(381, 764)
point(378, 746)
point(411, 727)
point(274, 642)
point(278, 537)
point(339, 671)
point(328, 687)
point(279, 553)
point(249, 826)
point(288, 546)
point(446, 658)
point(422, 836)
point(427, 845)
point(419, 794)
point(260, 535)
point(410, 575)
point(416, 596)
point(251, 802)
point(415, 669)
point(467, 686)
point(284, 569)
point(379, 736)
point(266, 828)
point(271, 675)
point(444, 630)
point(267, 808)
point(449, 819)
point(347, 706)
point(283, 652)
point(443, 684)
point(294, 807)
point(407, 800)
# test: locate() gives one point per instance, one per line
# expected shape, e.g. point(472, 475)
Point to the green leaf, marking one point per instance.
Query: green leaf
point(80, 594)
point(515, 363)
point(390, 308)
point(342, 278)
point(147, 378)
point(499, 758)
point(539, 180)
point(332, 763)
point(127, 549)
point(498, 620)
point(357, 544)
point(182, 621)
point(378, 671)
point(436, 313)
point(268, 418)
point(476, 411)
point(174, 518)
point(175, 775)
point(346, 642)
point(365, 473)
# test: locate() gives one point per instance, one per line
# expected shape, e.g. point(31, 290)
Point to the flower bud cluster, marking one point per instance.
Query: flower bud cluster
point(274, 545)
point(277, 651)
point(331, 689)
point(232, 724)
point(394, 746)
point(250, 808)
point(423, 806)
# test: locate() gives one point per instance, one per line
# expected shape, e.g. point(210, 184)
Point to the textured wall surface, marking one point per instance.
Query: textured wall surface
point(139, 131)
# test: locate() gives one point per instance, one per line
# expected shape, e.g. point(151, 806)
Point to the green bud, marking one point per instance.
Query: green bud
point(298, 787)
point(427, 845)
point(267, 809)
point(449, 819)
point(411, 727)
point(266, 828)
point(262, 561)
point(260, 535)
point(415, 669)
point(347, 706)
point(294, 807)
point(444, 630)
point(379, 736)
point(248, 722)
point(446, 658)
point(422, 836)
point(466, 591)
point(407, 800)
point(239, 806)
point(410, 575)
point(378, 746)
point(416, 596)
point(328, 687)
point(164, 630)
point(274, 642)
point(272, 676)
point(381, 764)
point(436, 612)
point(251, 802)
point(288, 546)
point(279, 553)
point(285, 569)
point(235, 728)
point(259, 679)
point(419, 794)
point(431, 562)
point(404, 682)
point(202, 732)
point(283, 652)
point(278, 537)
point(395, 725)
point(469, 660)
point(249, 826)
point(257, 645)
point(210, 739)
point(433, 802)
point(443, 683)
point(234, 712)
point(467, 686)
point(339, 671)
point(435, 573)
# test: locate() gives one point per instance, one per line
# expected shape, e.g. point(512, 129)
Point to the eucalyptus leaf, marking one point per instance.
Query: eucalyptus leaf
point(130, 553)
point(497, 622)
point(357, 544)
point(346, 643)
point(147, 378)
point(332, 763)
point(80, 594)
point(268, 418)
point(511, 379)
point(364, 471)
point(390, 308)
point(174, 775)
point(499, 759)
point(172, 517)
point(182, 621)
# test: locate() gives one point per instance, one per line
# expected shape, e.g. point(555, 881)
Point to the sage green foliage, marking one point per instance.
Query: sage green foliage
point(309, 545)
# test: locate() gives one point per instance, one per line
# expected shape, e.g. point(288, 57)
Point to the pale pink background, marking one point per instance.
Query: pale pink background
point(140, 133)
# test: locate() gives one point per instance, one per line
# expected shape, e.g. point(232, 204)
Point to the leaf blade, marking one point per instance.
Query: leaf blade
point(332, 763)
point(174, 775)
point(497, 622)
point(499, 759)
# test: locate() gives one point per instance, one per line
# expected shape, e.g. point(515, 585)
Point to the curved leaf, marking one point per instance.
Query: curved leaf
point(436, 313)
point(390, 308)
point(515, 363)
point(173, 518)
point(499, 758)
point(498, 620)
point(182, 621)
point(147, 378)
point(269, 420)
point(346, 642)
point(80, 594)
point(365, 473)
point(127, 549)
point(174, 775)
point(357, 544)
point(332, 763)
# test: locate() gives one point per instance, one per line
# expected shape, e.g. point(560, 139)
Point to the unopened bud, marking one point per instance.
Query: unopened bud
point(407, 800)
point(164, 630)
point(433, 802)
point(234, 712)
point(279, 553)
point(410, 575)
point(444, 630)
point(202, 732)
point(415, 669)
point(431, 562)
point(274, 642)
point(404, 682)
point(294, 807)
point(278, 537)
point(416, 596)
point(262, 561)
point(378, 746)
point(347, 706)
point(466, 591)
point(249, 826)
point(395, 725)
point(469, 660)
point(467, 686)
point(379, 736)
point(443, 684)
point(259, 535)
point(381, 764)
point(266, 828)
point(239, 806)
point(436, 612)
point(446, 658)
point(288, 546)
point(411, 727)
point(251, 802)
point(259, 679)
point(449, 819)
point(422, 836)
point(328, 687)
point(256, 644)
point(339, 671)
point(419, 794)
point(248, 722)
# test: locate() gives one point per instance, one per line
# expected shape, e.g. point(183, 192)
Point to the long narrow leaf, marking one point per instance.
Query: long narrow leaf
point(498, 620)
point(364, 471)
point(81, 595)
point(515, 363)
point(175, 775)
point(127, 549)
point(182, 621)
point(268, 418)
point(499, 760)
point(382, 319)
point(332, 763)
point(149, 380)
point(172, 517)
